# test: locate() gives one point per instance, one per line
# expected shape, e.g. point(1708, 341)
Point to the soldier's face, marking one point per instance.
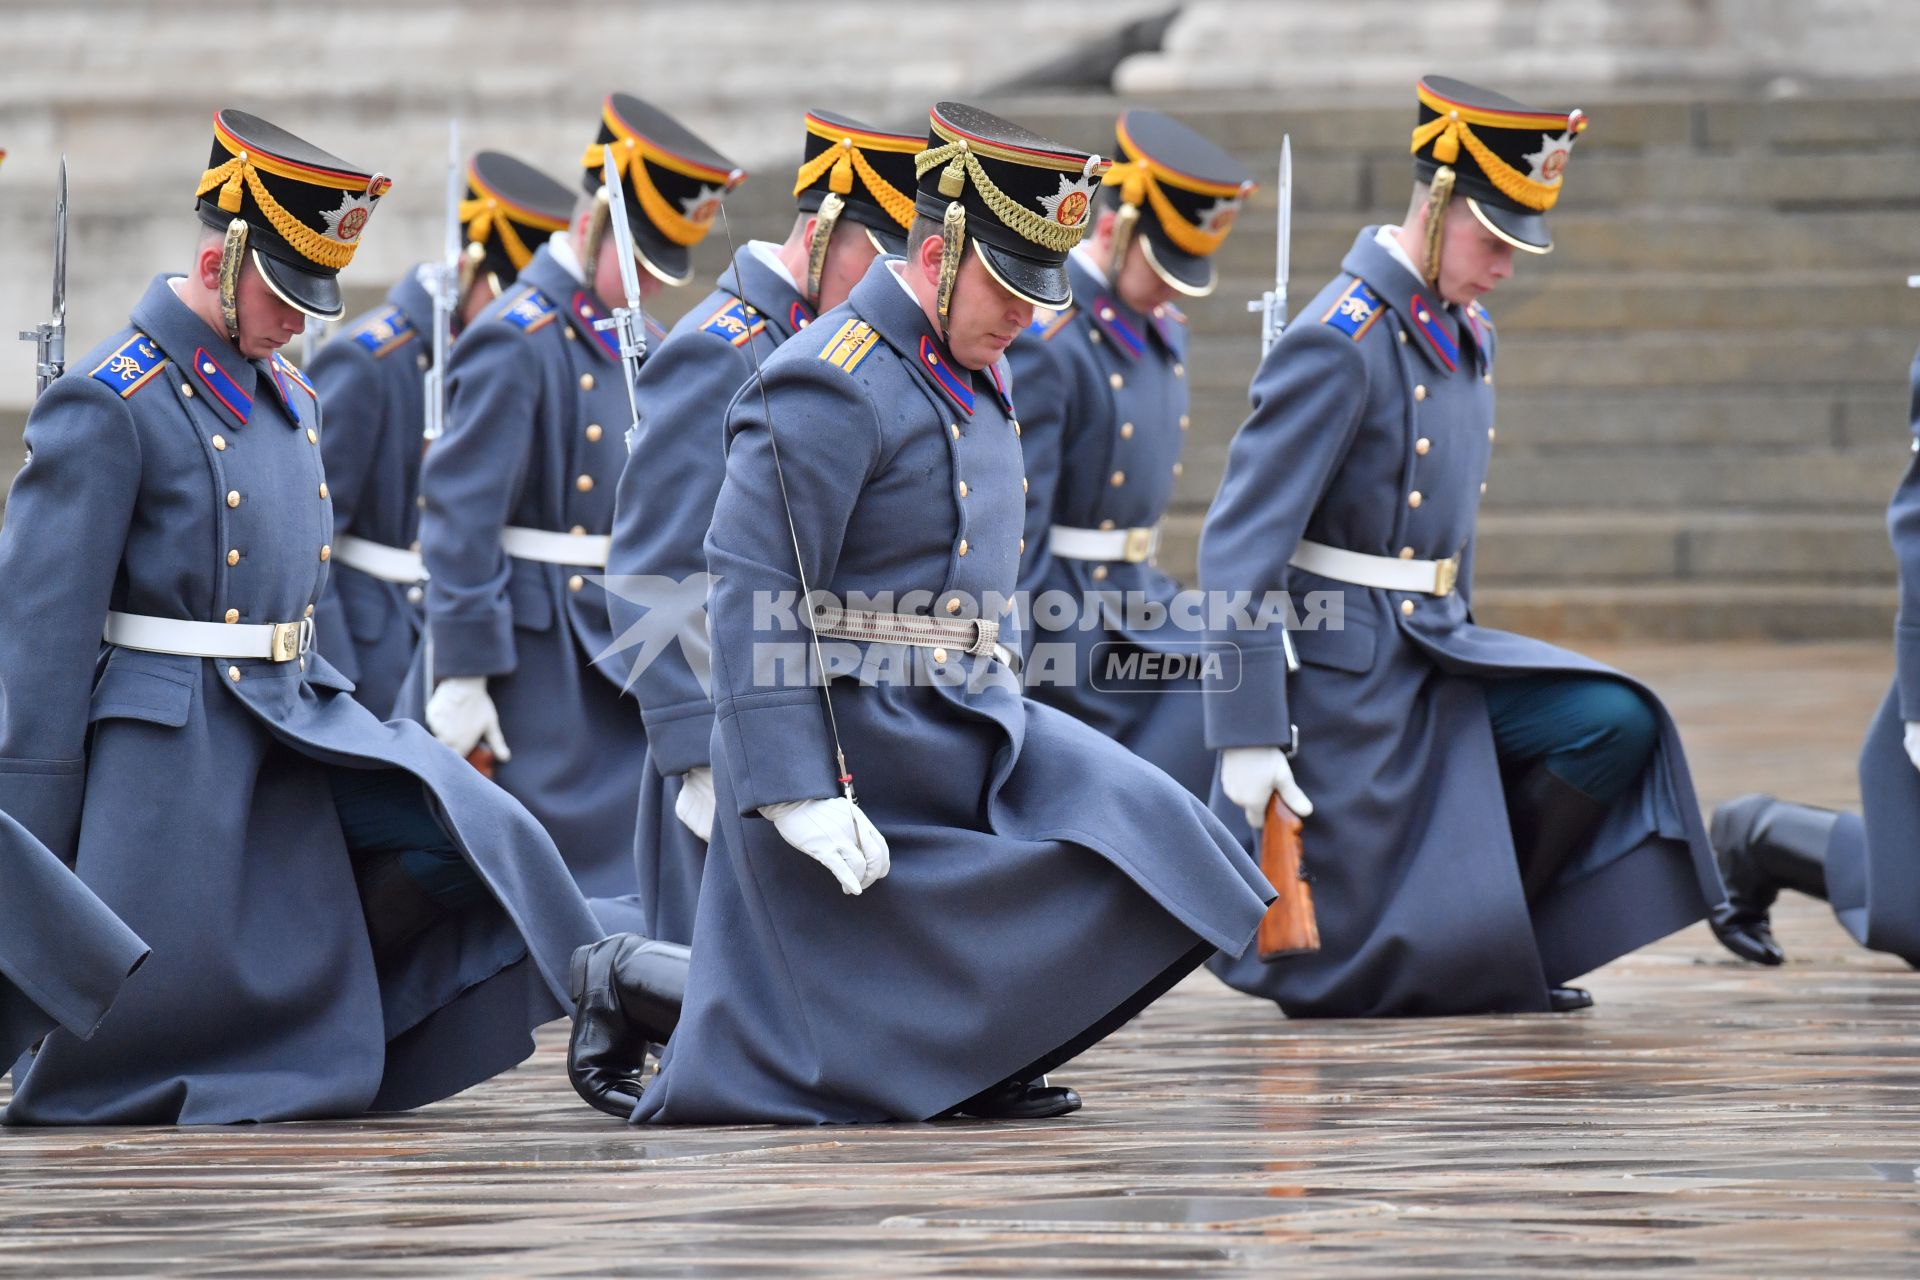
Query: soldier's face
point(984, 318)
point(606, 276)
point(1139, 285)
point(266, 322)
point(849, 254)
point(1473, 260)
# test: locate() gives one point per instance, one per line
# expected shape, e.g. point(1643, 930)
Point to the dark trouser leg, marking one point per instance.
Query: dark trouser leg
point(409, 870)
point(1765, 845)
point(1568, 747)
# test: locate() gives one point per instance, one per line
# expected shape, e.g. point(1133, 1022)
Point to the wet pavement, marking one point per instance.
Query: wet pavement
point(1707, 1116)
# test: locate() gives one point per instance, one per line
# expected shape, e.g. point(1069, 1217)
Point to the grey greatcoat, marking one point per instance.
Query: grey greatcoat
point(1371, 432)
point(171, 478)
point(1045, 882)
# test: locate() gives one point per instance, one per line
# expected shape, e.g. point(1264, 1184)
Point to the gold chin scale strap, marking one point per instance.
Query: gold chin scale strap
point(596, 231)
point(824, 221)
point(233, 253)
point(953, 245)
point(1439, 194)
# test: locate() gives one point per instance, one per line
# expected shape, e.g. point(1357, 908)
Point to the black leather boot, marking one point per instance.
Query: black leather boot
point(1765, 845)
point(1021, 1100)
point(1569, 999)
point(627, 992)
point(1552, 821)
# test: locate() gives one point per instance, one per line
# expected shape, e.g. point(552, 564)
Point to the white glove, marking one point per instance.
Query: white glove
point(1251, 774)
point(694, 805)
point(835, 834)
point(461, 715)
point(1913, 742)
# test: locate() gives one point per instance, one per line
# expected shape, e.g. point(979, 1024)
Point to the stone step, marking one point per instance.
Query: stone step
point(1619, 593)
point(1857, 481)
point(1606, 302)
point(1791, 359)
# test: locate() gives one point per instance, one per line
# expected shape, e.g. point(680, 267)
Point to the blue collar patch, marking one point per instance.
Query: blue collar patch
point(221, 384)
point(1436, 333)
point(951, 379)
point(1106, 314)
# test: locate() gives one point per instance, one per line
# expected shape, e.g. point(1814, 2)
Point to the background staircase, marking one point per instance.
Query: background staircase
point(1703, 392)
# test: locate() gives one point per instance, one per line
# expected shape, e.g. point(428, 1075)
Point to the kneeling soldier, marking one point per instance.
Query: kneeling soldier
point(343, 915)
point(1012, 886)
point(1491, 815)
point(372, 378)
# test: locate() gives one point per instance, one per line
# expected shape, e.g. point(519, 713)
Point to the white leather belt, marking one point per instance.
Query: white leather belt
point(1135, 546)
point(274, 641)
point(587, 550)
point(378, 560)
point(1427, 577)
point(978, 636)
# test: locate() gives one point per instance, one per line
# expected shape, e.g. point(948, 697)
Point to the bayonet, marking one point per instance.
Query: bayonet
point(441, 280)
point(50, 336)
point(1272, 304)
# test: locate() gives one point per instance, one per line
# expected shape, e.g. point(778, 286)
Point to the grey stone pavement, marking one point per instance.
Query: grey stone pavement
point(1706, 1117)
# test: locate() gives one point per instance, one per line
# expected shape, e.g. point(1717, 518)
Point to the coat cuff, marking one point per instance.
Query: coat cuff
point(472, 646)
point(777, 751)
point(680, 738)
point(1251, 712)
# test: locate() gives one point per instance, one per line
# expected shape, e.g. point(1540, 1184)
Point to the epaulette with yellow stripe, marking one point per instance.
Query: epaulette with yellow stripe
point(385, 331)
point(850, 345)
point(1354, 312)
point(734, 323)
point(531, 313)
point(1047, 321)
point(131, 367)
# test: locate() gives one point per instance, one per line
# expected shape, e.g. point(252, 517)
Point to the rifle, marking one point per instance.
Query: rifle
point(628, 322)
point(1272, 304)
point(50, 336)
point(441, 280)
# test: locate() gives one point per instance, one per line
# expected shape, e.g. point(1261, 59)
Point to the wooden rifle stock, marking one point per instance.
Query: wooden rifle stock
point(1289, 927)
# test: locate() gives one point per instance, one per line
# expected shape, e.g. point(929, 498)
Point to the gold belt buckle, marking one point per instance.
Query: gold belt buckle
point(1446, 575)
point(290, 640)
point(1139, 546)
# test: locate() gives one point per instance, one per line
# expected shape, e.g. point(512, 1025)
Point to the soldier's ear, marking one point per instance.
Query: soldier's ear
point(926, 259)
point(206, 262)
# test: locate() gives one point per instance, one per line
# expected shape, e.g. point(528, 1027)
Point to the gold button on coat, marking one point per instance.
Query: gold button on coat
point(323, 489)
point(1406, 607)
point(220, 443)
point(1491, 433)
point(309, 611)
point(1117, 479)
point(953, 429)
point(1115, 381)
point(576, 582)
point(233, 673)
point(962, 548)
point(939, 655)
point(233, 616)
point(953, 605)
point(313, 437)
point(1179, 370)
point(186, 391)
point(1099, 573)
point(1179, 468)
point(1420, 392)
point(1406, 553)
point(233, 557)
point(586, 382)
point(593, 433)
point(1126, 431)
point(1185, 422)
point(326, 553)
point(1414, 499)
point(584, 484)
point(963, 488)
point(233, 497)
point(1422, 445)
point(578, 531)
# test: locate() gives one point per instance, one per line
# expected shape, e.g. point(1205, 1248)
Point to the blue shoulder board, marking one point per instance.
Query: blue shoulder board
point(385, 330)
point(734, 324)
point(1354, 312)
point(130, 367)
point(531, 313)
